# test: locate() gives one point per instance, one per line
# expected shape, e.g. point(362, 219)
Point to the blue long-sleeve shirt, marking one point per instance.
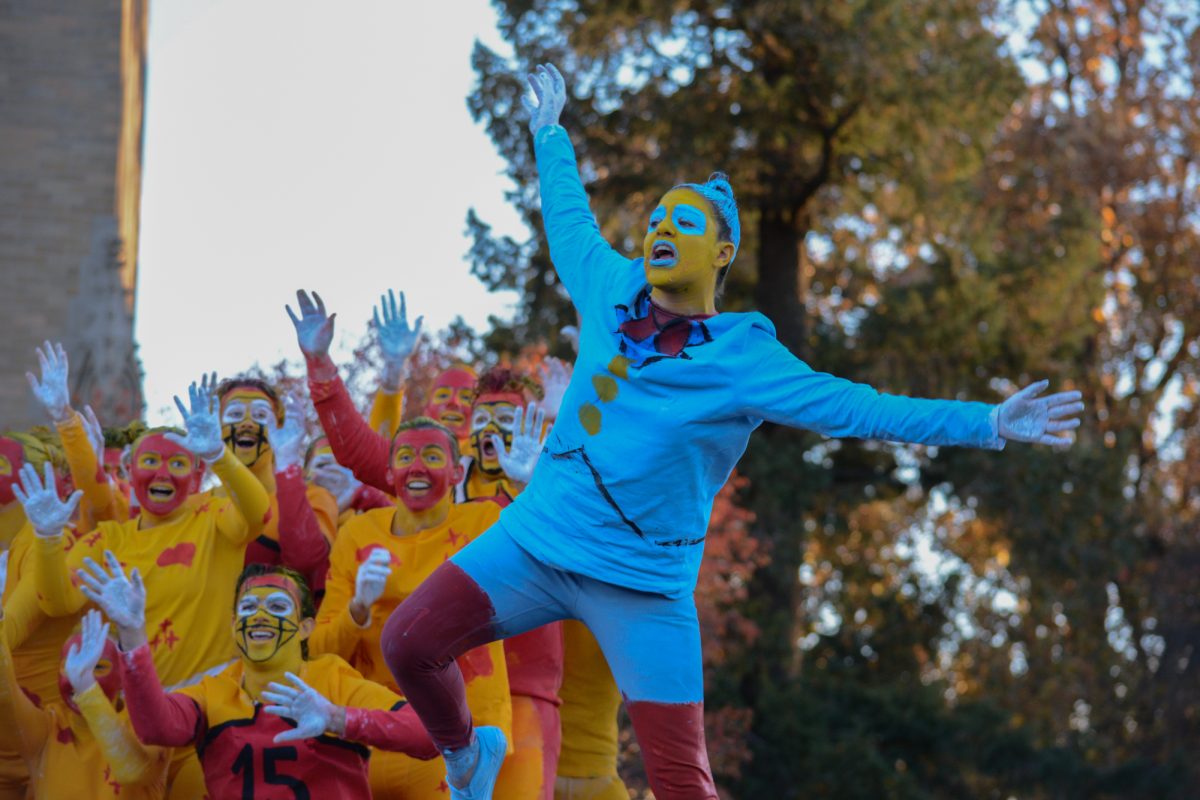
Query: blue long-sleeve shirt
point(644, 441)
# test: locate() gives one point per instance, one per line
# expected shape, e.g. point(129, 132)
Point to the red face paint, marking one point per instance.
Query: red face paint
point(422, 470)
point(162, 475)
point(107, 672)
point(12, 458)
point(450, 400)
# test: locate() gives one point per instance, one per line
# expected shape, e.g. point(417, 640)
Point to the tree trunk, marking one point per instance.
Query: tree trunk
point(781, 281)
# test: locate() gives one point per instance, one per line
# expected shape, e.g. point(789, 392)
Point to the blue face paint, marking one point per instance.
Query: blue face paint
point(657, 217)
point(689, 220)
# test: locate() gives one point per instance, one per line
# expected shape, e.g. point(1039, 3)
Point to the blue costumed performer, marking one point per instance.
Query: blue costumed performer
point(610, 530)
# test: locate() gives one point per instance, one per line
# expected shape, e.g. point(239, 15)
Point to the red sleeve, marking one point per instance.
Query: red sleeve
point(398, 731)
point(367, 498)
point(354, 444)
point(167, 720)
point(302, 544)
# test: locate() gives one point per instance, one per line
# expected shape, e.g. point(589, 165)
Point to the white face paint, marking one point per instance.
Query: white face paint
point(259, 411)
point(277, 604)
point(503, 414)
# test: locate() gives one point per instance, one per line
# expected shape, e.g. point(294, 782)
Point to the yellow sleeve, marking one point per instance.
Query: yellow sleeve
point(22, 613)
point(98, 501)
point(325, 507)
point(336, 631)
point(53, 567)
point(387, 409)
point(28, 736)
point(246, 518)
point(131, 761)
point(356, 691)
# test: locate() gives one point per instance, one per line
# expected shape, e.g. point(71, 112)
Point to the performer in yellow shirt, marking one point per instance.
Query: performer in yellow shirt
point(186, 545)
point(379, 558)
point(83, 747)
point(274, 723)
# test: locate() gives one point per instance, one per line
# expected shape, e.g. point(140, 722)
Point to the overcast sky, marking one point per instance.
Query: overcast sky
point(293, 144)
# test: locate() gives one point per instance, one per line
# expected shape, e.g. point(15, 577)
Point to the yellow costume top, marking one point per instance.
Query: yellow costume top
point(414, 558)
point(90, 755)
point(387, 412)
point(188, 562)
point(101, 500)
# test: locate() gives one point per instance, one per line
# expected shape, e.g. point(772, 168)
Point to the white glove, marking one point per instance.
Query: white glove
point(95, 433)
point(1025, 417)
point(80, 664)
point(551, 92)
point(571, 334)
point(556, 376)
point(396, 339)
point(48, 513)
point(527, 442)
point(311, 711)
point(314, 328)
point(370, 581)
point(122, 598)
point(52, 391)
point(339, 481)
point(287, 441)
point(202, 421)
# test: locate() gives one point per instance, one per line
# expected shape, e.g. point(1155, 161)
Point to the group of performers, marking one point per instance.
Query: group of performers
point(451, 601)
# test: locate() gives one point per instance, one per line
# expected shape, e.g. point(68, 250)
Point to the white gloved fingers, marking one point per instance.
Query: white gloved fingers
point(291, 314)
point(299, 684)
point(1057, 441)
point(320, 304)
point(1065, 410)
point(1058, 426)
point(114, 566)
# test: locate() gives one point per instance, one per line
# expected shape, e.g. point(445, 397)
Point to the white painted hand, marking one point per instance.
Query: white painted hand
point(550, 92)
point(46, 511)
point(372, 577)
point(314, 328)
point(287, 441)
point(556, 376)
point(202, 421)
point(339, 481)
point(123, 599)
point(527, 442)
point(95, 433)
point(308, 708)
point(51, 391)
point(396, 339)
point(80, 664)
point(1025, 417)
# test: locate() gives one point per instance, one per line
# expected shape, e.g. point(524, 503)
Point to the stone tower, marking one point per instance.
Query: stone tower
point(72, 80)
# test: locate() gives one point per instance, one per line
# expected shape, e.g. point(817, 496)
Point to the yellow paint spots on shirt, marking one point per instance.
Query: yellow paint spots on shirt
point(589, 417)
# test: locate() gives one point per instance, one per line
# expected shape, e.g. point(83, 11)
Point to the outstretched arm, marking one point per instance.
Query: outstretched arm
point(781, 388)
point(579, 252)
point(167, 720)
point(354, 444)
point(303, 545)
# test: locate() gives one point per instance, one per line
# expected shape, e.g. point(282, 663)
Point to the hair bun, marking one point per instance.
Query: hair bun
point(720, 182)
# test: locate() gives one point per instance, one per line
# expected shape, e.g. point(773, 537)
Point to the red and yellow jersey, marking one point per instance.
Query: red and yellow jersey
point(190, 566)
point(34, 638)
point(236, 746)
point(414, 557)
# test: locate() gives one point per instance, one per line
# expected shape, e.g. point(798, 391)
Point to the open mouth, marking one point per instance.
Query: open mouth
point(418, 485)
point(452, 418)
point(663, 254)
point(488, 448)
point(161, 492)
point(246, 441)
point(260, 634)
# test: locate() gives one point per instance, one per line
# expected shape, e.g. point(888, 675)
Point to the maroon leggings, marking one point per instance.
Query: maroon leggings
point(450, 614)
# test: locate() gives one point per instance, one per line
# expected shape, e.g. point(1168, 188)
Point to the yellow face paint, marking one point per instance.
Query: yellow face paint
point(682, 250)
point(266, 623)
point(5, 466)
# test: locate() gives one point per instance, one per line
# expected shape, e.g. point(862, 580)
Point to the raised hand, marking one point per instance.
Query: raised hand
point(287, 441)
point(550, 93)
point(396, 339)
point(311, 711)
point(201, 420)
point(1025, 417)
point(369, 584)
point(46, 511)
point(527, 442)
point(80, 665)
point(339, 481)
point(314, 328)
point(95, 433)
point(556, 376)
point(51, 391)
point(123, 599)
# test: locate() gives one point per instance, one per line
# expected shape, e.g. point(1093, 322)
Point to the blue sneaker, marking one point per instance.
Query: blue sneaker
point(491, 748)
